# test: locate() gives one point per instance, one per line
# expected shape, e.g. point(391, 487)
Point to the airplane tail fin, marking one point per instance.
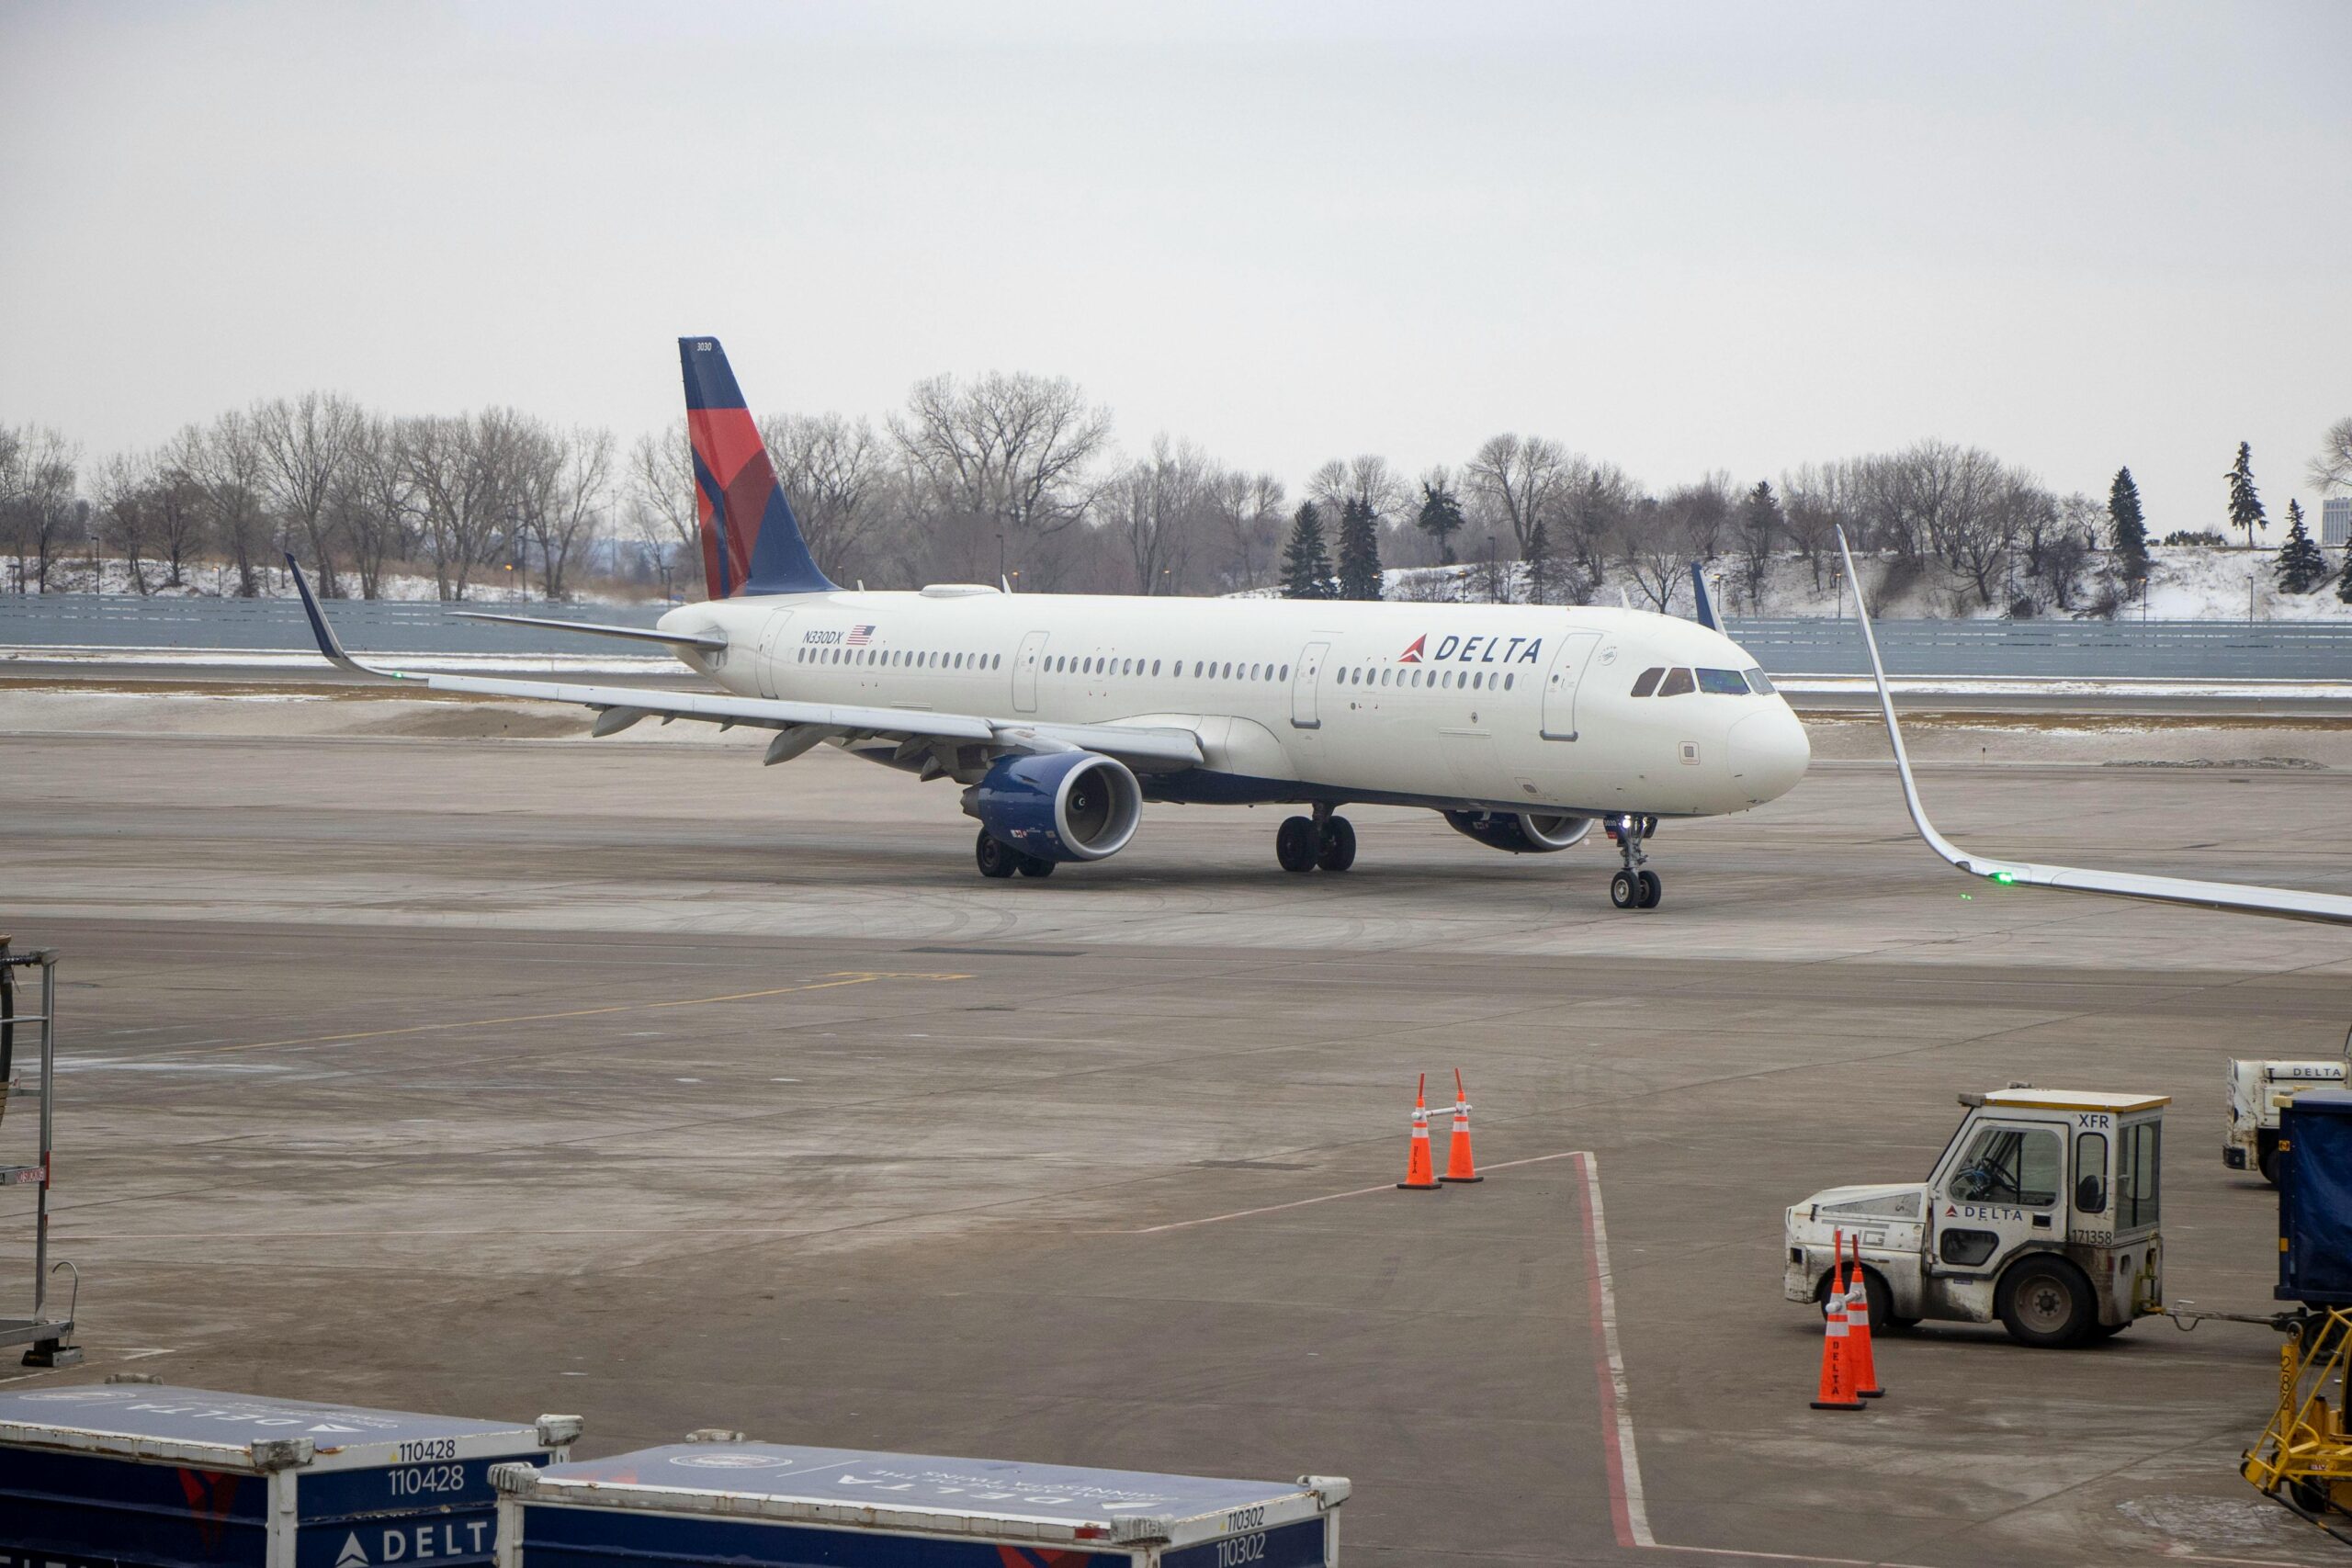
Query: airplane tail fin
point(750, 540)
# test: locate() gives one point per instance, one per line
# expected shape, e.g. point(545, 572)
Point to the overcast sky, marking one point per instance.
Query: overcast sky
point(1680, 238)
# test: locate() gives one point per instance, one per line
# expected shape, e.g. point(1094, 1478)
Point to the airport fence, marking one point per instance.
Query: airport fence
point(2229, 650)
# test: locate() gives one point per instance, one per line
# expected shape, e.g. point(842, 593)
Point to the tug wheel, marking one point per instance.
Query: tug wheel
point(2044, 1302)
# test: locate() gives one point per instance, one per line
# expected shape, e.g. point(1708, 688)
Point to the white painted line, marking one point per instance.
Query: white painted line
point(1627, 1507)
point(1325, 1198)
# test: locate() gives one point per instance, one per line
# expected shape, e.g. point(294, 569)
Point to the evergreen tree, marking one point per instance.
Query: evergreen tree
point(2127, 529)
point(1359, 550)
point(1760, 527)
point(2302, 566)
point(1542, 575)
point(2245, 507)
point(2344, 580)
point(1440, 518)
point(1307, 560)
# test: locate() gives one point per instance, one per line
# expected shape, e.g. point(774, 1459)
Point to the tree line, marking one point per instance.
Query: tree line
point(1019, 476)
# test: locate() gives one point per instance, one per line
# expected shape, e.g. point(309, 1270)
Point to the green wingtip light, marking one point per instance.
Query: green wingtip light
point(2004, 878)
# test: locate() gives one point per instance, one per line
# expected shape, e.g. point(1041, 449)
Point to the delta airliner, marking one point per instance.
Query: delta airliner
point(1061, 716)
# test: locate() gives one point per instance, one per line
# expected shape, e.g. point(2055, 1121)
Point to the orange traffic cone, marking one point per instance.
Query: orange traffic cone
point(1836, 1391)
point(1459, 1165)
point(1417, 1175)
point(1857, 1331)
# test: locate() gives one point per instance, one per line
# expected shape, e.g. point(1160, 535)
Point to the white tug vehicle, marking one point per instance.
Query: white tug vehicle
point(2041, 1211)
point(2258, 1091)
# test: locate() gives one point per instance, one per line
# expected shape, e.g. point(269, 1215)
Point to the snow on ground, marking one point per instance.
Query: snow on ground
point(2188, 582)
point(72, 575)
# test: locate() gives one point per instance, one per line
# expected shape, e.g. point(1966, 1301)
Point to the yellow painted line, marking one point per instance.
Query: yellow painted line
point(823, 983)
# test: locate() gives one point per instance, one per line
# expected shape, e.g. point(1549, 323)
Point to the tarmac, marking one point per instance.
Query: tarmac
point(428, 1055)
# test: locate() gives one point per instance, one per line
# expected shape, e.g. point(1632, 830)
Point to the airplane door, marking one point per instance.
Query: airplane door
point(1560, 686)
point(767, 665)
point(1024, 673)
point(1304, 714)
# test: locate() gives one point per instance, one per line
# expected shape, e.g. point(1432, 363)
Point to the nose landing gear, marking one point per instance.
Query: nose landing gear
point(1636, 886)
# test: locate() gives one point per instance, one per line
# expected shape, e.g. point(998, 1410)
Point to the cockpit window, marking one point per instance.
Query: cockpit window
point(1723, 683)
point(1676, 681)
point(1759, 684)
point(1648, 682)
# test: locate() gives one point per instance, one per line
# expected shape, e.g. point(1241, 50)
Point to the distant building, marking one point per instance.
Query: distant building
point(2335, 520)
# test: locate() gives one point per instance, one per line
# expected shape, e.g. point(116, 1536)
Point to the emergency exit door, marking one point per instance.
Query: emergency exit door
point(767, 661)
point(1303, 713)
point(1024, 672)
point(1560, 685)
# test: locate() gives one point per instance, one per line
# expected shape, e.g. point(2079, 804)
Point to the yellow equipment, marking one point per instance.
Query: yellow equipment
point(2304, 1458)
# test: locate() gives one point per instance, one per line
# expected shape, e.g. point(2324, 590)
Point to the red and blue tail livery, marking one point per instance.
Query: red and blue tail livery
point(750, 540)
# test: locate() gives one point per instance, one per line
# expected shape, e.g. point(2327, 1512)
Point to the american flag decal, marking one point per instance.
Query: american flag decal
point(860, 636)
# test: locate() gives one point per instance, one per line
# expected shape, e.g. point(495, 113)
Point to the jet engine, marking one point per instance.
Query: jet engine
point(1522, 832)
point(1059, 806)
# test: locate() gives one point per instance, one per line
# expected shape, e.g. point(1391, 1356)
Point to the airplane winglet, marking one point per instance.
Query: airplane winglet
point(1998, 870)
point(330, 645)
point(2244, 898)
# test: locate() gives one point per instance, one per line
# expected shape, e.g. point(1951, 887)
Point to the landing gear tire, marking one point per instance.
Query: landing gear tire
point(995, 859)
point(2045, 1302)
point(1624, 890)
point(1339, 848)
point(1651, 890)
point(1033, 866)
point(1295, 844)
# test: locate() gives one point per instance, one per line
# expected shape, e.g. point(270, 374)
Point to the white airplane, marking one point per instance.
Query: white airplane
point(1062, 715)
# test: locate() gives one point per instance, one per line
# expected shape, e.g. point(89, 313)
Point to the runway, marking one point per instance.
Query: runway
point(428, 1055)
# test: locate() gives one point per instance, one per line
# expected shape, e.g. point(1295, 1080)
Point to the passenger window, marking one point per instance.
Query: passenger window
point(2090, 1173)
point(1759, 684)
point(1285, 674)
point(1228, 671)
point(1724, 682)
point(1155, 666)
point(1479, 681)
point(2010, 1165)
point(1507, 681)
point(1647, 680)
point(1676, 684)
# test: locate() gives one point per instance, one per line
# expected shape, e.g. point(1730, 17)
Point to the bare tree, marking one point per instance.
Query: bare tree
point(1654, 550)
point(1600, 500)
point(834, 470)
point(1252, 511)
point(1815, 504)
point(2332, 470)
point(564, 483)
point(225, 461)
point(373, 504)
point(39, 471)
point(468, 472)
point(305, 442)
point(1159, 506)
point(126, 515)
point(659, 490)
point(1003, 457)
point(2057, 541)
point(1980, 532)
point(1518, 481)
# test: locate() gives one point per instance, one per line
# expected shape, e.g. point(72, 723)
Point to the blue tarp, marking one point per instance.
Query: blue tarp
point(2315, 1199)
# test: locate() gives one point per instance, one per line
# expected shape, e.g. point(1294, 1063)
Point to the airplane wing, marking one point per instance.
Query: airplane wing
point(635, 634)
point(800, 726)
point(2283, 903)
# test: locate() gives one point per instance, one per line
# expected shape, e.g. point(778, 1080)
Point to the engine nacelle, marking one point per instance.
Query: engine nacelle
point(1062, 805)
point(1522, 832)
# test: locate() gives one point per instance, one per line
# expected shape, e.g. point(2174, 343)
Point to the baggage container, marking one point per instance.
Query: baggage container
point(143, 1475)
point(778, 1504)
point(2315, 1199)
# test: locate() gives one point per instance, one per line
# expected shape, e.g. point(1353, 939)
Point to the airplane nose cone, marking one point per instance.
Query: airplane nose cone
point(1769, 753)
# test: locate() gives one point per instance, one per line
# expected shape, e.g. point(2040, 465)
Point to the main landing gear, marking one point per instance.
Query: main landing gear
point(999, 859)
point(1634, 887)
point(1325, 839)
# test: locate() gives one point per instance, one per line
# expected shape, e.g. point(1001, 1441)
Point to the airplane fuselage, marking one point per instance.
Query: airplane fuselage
point(1498, 707)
